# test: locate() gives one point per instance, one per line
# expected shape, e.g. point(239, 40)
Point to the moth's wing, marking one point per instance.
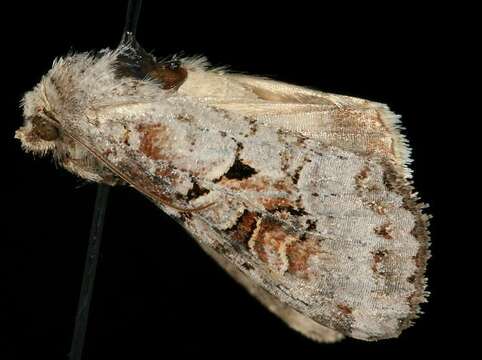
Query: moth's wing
point(289, 315)
point(355, 125)
point(352, 123)
point(334, 234)
point(280, 92)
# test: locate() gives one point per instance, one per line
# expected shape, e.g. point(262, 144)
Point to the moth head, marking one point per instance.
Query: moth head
point(40, 130)
point(46, 114)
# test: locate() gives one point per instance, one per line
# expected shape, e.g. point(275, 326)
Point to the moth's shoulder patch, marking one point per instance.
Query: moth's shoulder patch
point(133, 61)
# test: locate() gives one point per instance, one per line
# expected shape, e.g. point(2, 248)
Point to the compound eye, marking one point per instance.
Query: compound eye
point(44, 129)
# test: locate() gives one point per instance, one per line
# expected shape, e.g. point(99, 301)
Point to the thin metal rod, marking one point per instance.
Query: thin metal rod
point(93, 249)
point(90, 269)
point(132, 18)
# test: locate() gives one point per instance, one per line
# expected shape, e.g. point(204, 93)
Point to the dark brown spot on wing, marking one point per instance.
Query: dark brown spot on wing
point(311, 225)
point(298, 211)
point(247, 266)
point(244, 227)
point(276, 205)
point(185, 216)
point(253, 126)
point(239, 170)
point(296, 175)
point(185, 117)
point(384, 231)
point(363, 181)
point(196, 191)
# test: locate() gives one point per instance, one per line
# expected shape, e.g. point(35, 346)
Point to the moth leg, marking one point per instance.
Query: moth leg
point(290, 316)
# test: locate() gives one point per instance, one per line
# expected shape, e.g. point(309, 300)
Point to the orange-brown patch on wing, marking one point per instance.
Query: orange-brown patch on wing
point(275, 203)
point(152, 139)
point(345, 309)
point(282, 185)
point(299, 254)
point(256, 183)
point(269, 236)
point(244, 227)
point(376, 136)
point(269, 243)
point(252, 183)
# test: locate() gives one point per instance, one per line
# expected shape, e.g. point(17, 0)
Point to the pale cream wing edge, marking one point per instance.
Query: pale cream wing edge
point(290, 316)
point(272, 90)
point(329, 118)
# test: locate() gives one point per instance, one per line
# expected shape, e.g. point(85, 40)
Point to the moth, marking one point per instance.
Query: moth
point(304, 197)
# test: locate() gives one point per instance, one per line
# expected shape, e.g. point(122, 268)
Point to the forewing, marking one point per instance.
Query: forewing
point(336, 235)
point(353, 124)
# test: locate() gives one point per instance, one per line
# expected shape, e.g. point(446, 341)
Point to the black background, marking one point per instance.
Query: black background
point(157, 293)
